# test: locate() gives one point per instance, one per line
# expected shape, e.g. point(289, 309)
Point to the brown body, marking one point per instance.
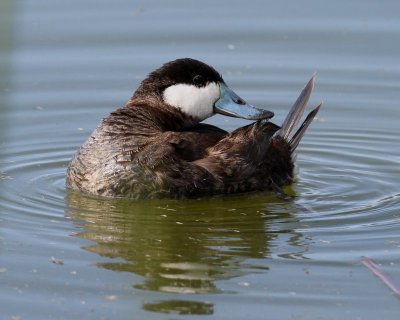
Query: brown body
point(143, 151)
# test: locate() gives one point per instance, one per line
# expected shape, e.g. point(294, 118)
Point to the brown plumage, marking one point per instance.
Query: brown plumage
point(149, 148)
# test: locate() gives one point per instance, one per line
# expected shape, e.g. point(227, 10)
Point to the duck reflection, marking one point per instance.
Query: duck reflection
point(180, 246)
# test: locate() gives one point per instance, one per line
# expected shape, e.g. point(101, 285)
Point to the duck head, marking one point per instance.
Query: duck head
point(197, 90)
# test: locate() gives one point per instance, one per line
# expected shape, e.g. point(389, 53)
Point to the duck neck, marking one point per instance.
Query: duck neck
point(155, 113)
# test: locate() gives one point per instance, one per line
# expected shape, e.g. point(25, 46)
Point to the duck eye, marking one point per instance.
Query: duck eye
point(198, 80)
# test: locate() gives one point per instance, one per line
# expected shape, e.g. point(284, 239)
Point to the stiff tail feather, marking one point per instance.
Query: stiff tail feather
point(294, 116)
point(294, 142)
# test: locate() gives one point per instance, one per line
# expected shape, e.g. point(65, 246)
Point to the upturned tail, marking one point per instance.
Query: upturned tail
point(294, 116)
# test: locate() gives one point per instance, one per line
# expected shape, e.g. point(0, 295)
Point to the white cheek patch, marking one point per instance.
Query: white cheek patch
point(193, 101)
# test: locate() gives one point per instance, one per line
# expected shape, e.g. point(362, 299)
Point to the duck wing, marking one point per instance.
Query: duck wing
point(187, 146)
point(166, 166)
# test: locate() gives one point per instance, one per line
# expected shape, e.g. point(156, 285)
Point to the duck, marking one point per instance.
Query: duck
point(156, 146)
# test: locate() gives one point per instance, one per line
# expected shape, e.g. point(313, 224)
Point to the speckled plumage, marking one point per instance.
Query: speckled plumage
point(148, 149)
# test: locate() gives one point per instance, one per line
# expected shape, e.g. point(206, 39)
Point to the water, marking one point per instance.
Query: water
point(64, 255)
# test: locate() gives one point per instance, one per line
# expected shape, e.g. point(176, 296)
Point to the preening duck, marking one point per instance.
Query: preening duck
point(156, 146)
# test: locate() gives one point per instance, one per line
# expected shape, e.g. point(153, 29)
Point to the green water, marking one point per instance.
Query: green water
point(66, 255)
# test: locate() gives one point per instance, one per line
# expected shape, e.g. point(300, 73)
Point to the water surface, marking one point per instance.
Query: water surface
point(65, 255)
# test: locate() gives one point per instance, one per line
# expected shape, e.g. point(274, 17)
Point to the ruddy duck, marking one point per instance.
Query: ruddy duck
point(155, 146)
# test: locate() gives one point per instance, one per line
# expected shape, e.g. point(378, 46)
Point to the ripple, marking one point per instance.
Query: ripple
point(348, 180)
point(37, 180)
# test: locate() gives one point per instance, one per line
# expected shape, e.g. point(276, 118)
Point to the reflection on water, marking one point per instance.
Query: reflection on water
point(182, 246)
point(180, 307)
